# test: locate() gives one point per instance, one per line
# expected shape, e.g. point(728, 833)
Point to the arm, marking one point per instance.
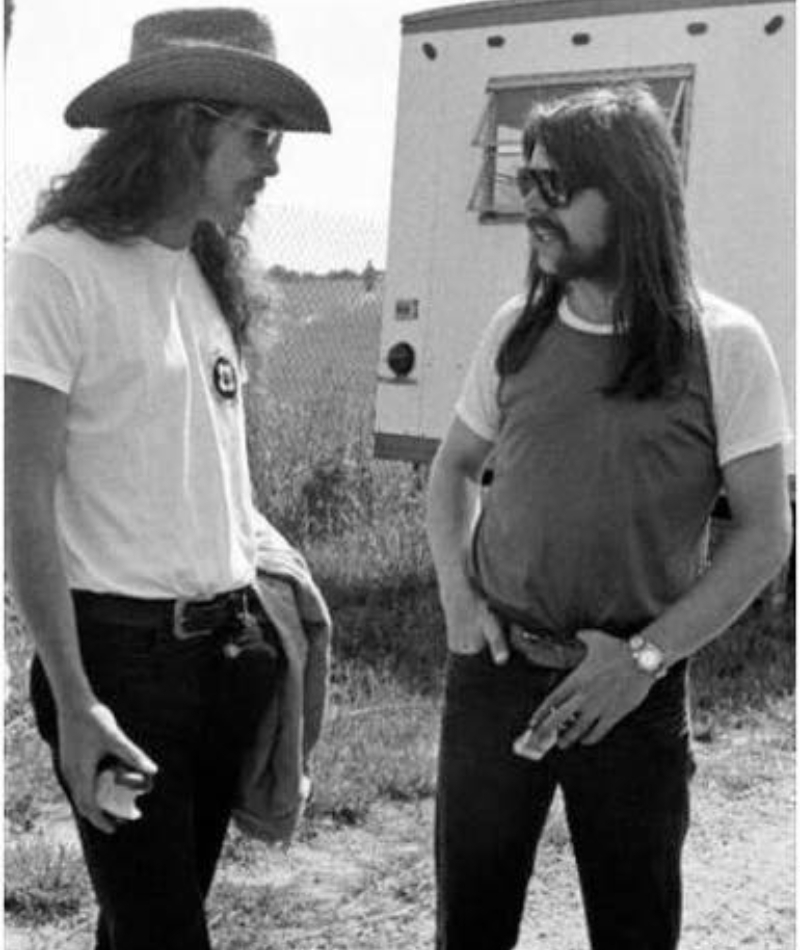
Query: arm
point(749, 556)
point(607, 685)
point(451, 505)
point(35, 437)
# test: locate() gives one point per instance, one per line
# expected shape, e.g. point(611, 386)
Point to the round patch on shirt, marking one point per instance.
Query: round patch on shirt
point(225, 381)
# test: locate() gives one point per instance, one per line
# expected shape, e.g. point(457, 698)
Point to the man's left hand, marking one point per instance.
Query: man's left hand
point(597, 694)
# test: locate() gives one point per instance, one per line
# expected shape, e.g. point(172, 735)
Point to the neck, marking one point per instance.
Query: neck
point(592, 301)
point(173, 232)
point(174, 229)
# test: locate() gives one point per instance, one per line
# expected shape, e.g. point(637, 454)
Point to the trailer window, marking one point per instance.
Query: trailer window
point(499, 132)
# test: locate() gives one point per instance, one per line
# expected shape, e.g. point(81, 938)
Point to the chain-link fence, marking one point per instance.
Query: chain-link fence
point(313, 353)
point(322, 276)
point(293, 237)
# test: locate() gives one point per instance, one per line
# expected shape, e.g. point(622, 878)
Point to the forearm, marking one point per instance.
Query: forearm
point(451, 506)
point(746, 560)
point(41, 593)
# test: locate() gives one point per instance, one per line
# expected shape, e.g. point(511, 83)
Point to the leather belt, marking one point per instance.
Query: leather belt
point(543, 648)
point(187, 617)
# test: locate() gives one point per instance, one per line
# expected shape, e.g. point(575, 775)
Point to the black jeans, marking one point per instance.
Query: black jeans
point(626, 799)
point(191, 708)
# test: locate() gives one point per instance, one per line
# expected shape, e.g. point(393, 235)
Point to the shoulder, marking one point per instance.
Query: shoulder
point(57, 243)
point(501, 322)
point(71, 252)
point(727, 326)
point(747, 391)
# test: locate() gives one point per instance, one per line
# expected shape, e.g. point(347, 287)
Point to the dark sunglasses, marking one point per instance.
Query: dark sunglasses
point(548, 182)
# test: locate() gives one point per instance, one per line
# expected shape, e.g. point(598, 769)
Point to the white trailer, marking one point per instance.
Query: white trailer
point(723, 71)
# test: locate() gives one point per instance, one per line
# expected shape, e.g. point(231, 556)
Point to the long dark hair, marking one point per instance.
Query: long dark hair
point(617, 140)
point(132, 175)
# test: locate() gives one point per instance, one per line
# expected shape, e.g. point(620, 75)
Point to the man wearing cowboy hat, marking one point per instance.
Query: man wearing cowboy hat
point(131, 528)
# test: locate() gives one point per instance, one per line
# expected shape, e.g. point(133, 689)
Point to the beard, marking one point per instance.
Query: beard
point(567, 261)
point(598, 265)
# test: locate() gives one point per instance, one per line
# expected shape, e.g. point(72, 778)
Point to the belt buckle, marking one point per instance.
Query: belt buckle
point(541, 649)
point(179, 620)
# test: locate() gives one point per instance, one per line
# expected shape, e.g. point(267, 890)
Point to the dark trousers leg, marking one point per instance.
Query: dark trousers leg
point(147, 875)
point(491, 804)
point(182, 703)
point(627, 804)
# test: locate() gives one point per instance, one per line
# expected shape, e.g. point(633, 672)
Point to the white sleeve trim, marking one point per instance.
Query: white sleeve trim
point(749, 405)
point(44, 332)
point(39, 374)
point(477, 405)
point(471, 423)
point(771, 441)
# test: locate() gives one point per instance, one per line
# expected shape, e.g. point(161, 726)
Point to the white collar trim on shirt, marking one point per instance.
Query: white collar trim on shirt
point(571, 319)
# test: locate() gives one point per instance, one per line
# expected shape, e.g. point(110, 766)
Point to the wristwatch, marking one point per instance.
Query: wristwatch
point(649, 658)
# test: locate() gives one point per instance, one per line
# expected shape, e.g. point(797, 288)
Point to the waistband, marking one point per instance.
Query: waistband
point(541, 646)
point(187, 617)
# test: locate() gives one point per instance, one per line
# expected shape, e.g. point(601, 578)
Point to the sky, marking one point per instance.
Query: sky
point(332, 189)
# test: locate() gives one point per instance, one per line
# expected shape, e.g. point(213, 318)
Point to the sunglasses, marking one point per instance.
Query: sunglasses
point(548, 182)
point(263, 136)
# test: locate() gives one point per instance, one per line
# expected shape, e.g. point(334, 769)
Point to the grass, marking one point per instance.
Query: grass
point(45, 882)
point(360, 523)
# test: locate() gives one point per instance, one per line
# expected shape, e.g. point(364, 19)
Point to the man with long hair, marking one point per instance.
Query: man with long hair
point(603, 414)
point(132, 534)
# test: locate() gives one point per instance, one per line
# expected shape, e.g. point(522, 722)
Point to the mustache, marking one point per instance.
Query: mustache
point(255, 185)
point(536, 219)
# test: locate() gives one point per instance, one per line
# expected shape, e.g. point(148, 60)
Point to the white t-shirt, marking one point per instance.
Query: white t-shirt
point(749, 406)
point(155, 496)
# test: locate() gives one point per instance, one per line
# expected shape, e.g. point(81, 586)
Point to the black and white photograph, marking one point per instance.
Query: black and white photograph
point(399, 475)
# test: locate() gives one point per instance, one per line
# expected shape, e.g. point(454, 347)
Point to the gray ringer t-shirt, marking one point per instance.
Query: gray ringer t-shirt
point(598, 510)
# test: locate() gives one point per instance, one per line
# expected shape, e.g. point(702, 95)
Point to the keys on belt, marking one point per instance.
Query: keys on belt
point(197, 618)
point(231, 614)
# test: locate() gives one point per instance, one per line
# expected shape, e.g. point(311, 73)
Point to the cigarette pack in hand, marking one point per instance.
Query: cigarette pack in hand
point(534, 744)
point(118, 787)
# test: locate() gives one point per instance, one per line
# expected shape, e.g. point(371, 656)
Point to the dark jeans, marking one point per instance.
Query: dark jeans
point(626, 799)
point(191, 708)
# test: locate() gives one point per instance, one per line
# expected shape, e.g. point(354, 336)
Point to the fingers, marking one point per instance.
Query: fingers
point(83, 785)
point(132, 755)
point(555, 700)
point(464, 641)
point(470, 633)
point(494, 636)
point(574, 725)
point(86, 746)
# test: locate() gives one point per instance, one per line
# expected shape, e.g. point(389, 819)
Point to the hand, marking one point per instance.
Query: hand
point(597, 694)
point(87, 737)
point(471, 626)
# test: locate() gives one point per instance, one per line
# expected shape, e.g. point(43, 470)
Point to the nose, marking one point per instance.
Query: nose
point(268, 163)
point(533, 202)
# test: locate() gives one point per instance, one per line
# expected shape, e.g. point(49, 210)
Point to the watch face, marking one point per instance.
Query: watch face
point(650, 659)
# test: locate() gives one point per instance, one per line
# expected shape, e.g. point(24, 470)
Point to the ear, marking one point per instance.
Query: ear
point(197, 130)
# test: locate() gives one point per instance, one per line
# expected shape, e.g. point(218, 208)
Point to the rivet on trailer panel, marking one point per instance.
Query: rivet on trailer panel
point(772, 26)
point(430, 50)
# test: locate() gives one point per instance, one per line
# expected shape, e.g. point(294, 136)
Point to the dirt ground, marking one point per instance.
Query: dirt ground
point(370, 887)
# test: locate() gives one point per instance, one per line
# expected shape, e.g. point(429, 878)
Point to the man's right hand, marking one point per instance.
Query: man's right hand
point(471, 626)
point(87, 736)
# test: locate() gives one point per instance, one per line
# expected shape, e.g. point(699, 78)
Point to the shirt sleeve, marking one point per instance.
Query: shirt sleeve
point(477, 405)
point(43, 338)
point(749, 404)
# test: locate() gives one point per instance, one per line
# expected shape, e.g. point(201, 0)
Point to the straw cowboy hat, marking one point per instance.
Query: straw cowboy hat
point(225, 54)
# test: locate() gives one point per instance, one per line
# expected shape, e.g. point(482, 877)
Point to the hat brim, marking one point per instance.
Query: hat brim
point(215, 73)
